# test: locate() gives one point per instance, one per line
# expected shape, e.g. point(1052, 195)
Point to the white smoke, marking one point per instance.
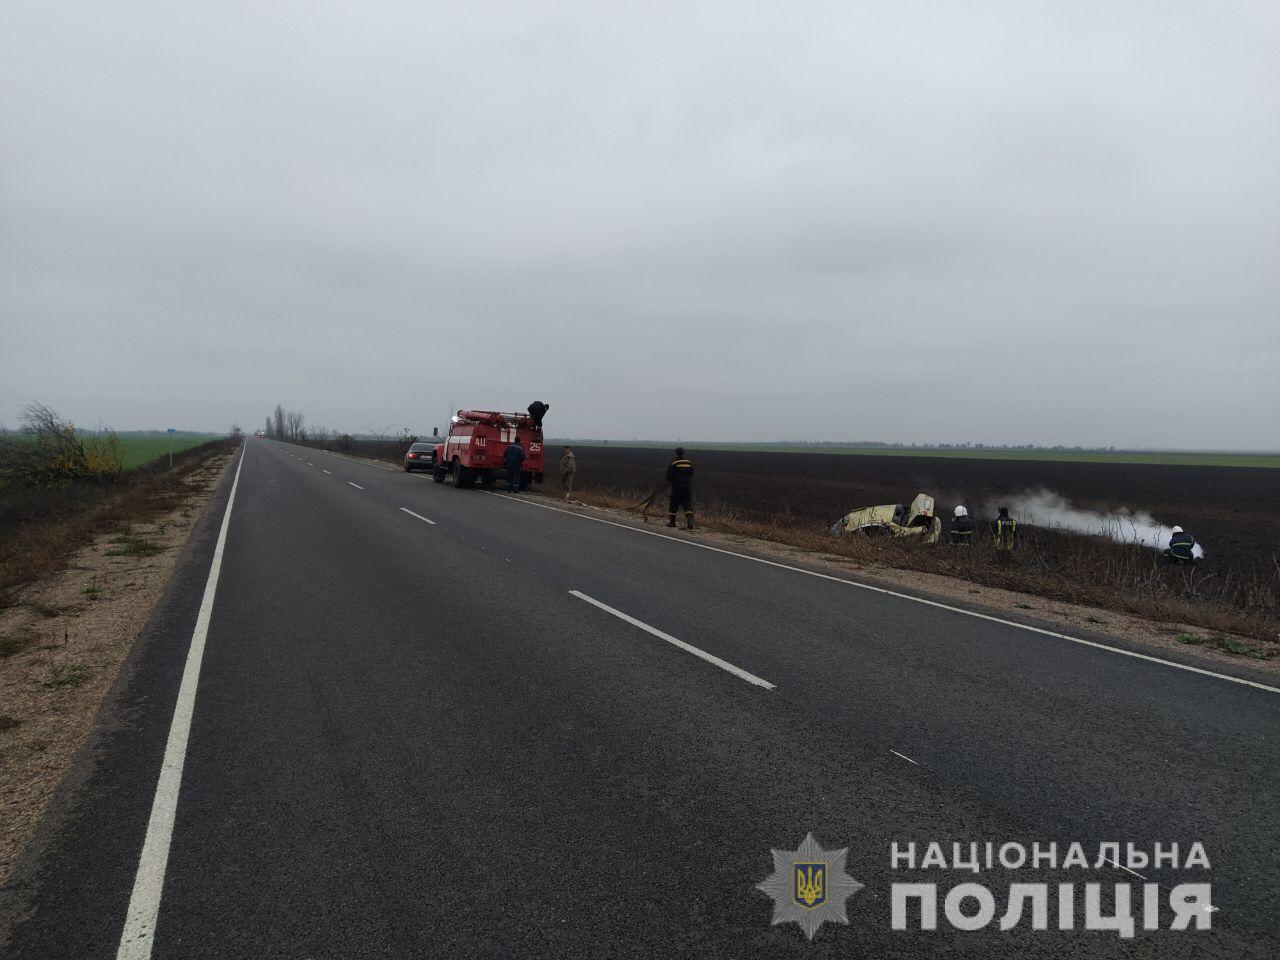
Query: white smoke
point(1047, 509)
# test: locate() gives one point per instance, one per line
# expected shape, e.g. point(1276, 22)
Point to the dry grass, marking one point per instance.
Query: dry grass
point(64, 635)
point(1048, 563)
point(41, 527)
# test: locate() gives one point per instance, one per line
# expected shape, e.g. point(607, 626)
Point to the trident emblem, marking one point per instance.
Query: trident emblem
point(811, 884)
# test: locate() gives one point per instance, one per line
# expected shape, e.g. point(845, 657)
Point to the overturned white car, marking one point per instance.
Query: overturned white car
point(894, 520)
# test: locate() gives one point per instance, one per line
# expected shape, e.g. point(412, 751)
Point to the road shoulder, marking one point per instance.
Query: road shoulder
point(73, 688)
point(1177, 642)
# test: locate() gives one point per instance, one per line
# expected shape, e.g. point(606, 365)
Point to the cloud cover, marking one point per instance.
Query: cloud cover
point(1012, 222)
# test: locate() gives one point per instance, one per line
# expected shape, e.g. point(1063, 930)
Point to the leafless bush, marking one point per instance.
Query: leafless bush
point(50, 450)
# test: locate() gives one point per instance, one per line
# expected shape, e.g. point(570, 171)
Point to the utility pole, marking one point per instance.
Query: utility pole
point(171, 432)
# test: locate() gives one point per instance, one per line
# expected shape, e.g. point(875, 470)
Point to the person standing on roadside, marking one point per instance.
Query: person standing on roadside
point(680, 476)
point(513, 457)
point(568, 467)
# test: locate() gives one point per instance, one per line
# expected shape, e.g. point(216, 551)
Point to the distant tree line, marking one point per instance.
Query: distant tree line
point(291, 425)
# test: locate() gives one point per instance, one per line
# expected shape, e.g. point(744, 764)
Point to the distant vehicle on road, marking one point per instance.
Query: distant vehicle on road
point(420, 456)
point(259, 434)
point(472, 451)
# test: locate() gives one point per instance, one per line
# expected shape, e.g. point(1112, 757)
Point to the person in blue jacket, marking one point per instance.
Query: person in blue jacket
point(513, 457)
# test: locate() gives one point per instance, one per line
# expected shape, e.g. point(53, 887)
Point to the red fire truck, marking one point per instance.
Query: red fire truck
point(472, 451)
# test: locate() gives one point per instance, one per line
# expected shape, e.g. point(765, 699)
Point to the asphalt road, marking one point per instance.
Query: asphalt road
point(433, 722)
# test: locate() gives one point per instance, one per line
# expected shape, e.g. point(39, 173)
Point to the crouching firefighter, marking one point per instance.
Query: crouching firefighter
point(961, 530)
point(1182, 547)
point(680, 476)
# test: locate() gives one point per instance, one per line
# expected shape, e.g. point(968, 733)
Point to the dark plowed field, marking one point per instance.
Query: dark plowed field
point(1233, 511)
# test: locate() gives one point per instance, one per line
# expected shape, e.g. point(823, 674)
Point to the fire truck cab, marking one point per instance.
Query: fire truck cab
point(472, 451)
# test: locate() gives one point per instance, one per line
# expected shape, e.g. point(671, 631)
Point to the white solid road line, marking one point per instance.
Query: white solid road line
point(902, 596)
point(144, 904)
point(418, 515)
point(356, 485)
point(687, 647)
point(905, 757)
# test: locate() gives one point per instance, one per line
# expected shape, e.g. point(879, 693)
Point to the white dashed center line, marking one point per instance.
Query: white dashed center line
point(418, 515)
point(687, 647)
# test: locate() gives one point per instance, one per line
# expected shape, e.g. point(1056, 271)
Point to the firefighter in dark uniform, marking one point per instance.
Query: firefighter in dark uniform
point(961, 531)
point(680, 476)
point(1182, 547)
point(1004, 529)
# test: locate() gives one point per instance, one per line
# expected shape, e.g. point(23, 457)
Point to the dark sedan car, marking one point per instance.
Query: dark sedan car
point(420, 456)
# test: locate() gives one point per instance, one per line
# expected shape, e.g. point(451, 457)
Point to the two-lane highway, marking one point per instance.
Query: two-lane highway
point(433, 722)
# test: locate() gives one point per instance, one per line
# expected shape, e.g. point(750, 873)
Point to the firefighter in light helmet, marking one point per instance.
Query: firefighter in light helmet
point(961, 529)
point(1182, 547)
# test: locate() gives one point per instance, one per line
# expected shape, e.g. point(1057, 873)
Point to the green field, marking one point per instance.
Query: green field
point(1190, 458)
point(137, 449)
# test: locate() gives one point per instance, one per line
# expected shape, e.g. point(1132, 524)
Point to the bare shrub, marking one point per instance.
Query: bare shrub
point(50, 450)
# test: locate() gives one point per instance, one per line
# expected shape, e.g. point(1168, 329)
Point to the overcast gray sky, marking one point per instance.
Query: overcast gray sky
point(999, 222)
